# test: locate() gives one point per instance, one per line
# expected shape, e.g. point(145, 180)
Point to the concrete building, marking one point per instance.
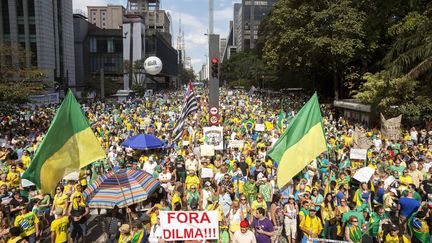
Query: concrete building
point(97, 49)
point(223, 45)
point(45, 30)
point(251, 14)
point(237, 23)
point(106, 17)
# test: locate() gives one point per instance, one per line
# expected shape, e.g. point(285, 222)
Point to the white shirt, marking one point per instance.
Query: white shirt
point(155, 234)
point(248, 237)
point(149, 167)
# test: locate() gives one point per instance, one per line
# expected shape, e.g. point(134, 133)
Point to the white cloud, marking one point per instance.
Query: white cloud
point(224, 14)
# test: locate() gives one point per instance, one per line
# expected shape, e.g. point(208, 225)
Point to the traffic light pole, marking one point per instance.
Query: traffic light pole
point(213, 83)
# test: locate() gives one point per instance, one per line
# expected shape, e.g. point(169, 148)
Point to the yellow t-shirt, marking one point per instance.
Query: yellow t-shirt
point(14, 179)
point(60, 201)
point(15, 240)
point(395, 239)
point(60, 227)
point(27, 223)
point(313, 224)
point(26, 160)
point(255, 205)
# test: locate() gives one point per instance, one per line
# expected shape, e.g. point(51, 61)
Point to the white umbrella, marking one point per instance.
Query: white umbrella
point(74, 176)
point(364, 174)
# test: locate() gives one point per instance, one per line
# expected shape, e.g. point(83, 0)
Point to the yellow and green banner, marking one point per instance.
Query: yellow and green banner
point(69, 145)
point(301, 143)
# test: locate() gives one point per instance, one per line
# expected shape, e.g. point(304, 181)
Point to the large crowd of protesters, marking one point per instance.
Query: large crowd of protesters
point(323, 201)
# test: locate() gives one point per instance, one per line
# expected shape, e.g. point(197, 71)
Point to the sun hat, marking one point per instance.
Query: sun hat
point(125, 229)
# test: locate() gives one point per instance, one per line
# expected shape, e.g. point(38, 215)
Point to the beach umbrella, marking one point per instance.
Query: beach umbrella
point(143, 142)
point(122, 188)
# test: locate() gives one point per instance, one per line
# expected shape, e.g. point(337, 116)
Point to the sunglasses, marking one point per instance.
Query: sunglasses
point(259, 197)
point(243, 199)
point(354, 221)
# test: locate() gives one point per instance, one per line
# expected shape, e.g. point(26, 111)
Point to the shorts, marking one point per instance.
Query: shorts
point(290, 227)
point(78, 229)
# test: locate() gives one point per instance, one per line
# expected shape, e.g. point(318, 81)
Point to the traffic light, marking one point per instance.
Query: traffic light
point(215, 67)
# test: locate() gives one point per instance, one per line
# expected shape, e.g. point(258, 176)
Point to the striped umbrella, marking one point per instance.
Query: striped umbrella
point(122, 188)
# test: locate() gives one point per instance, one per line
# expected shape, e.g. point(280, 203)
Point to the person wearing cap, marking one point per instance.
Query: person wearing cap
point(394, 236)
point(125, 234)
point(311, 225)
point(205, 193)
point(290, 220)
point(59, 227)
point(244, 235)
point(29, 224)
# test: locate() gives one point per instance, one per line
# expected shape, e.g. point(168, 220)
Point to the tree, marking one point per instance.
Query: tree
point(186, 75)
point(247, 69)
point(17, 81)
point(404, 85)
point(138, 71)
point(314, 37)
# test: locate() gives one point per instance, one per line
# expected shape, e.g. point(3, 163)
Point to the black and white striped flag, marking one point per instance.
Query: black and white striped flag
point(191, 105)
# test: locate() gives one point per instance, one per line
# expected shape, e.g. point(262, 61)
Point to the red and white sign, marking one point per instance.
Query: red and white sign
point(189, 225)
point(214, 120)
point(213, 111)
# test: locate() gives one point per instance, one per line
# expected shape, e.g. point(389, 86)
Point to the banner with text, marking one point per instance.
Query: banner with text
point(213, 136)
point(189, 225)
point(390, 128)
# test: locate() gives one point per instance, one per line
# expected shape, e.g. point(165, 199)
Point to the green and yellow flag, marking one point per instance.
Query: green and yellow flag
point(68, 146)
point(301, 143)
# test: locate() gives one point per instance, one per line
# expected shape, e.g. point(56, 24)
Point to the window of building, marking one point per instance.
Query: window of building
point(118, 46)
point(110, 46)
point(20, 8)
point(5, 17)
point(94, 13)
point(94, 19)
point(32, 28)
point(33, 50)
point(102, 46)
point(21, 29)
point(31, 8)
point(103, 13)
point(103, 18)
point(93, 45)
point(103, 24)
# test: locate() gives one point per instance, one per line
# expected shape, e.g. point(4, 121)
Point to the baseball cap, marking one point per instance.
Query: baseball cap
point(244, 224)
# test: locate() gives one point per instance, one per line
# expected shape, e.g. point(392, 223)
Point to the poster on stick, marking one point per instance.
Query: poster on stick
point(189, 225)
point(213, 136)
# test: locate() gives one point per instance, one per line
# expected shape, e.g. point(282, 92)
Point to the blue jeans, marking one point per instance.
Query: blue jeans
point(31, 238)
point(305, 240)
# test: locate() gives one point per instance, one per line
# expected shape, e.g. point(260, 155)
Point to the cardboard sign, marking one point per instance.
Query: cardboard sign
point(236, 144)
point(359, 154)
point(213, 136)
point(207, 150)
point(189, 225)
point(206, 173)
point(390, 128)
point(259, 127)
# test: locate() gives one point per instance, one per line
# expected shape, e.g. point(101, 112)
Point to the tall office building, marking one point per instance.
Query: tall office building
point(252, 12)
point(106, 17)
point(45, 30)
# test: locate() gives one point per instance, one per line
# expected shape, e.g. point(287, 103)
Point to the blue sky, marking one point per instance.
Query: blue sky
point(194, 17)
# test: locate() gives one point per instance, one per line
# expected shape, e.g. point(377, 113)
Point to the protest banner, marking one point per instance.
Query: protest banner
point(259, 127)
point(360, 140)
point(359, 154)
point(207, 150)
point(206, 173)
point(390, 128)
point(213, 136)
point(189, 225)
point(236, 144)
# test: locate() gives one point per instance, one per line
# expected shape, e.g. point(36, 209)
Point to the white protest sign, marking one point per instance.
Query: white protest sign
point(236, 144)
point(259, 127)
point(359, 154)
point(189, 225)
point(213, 136)
point(206, 173)
point(207, 150)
